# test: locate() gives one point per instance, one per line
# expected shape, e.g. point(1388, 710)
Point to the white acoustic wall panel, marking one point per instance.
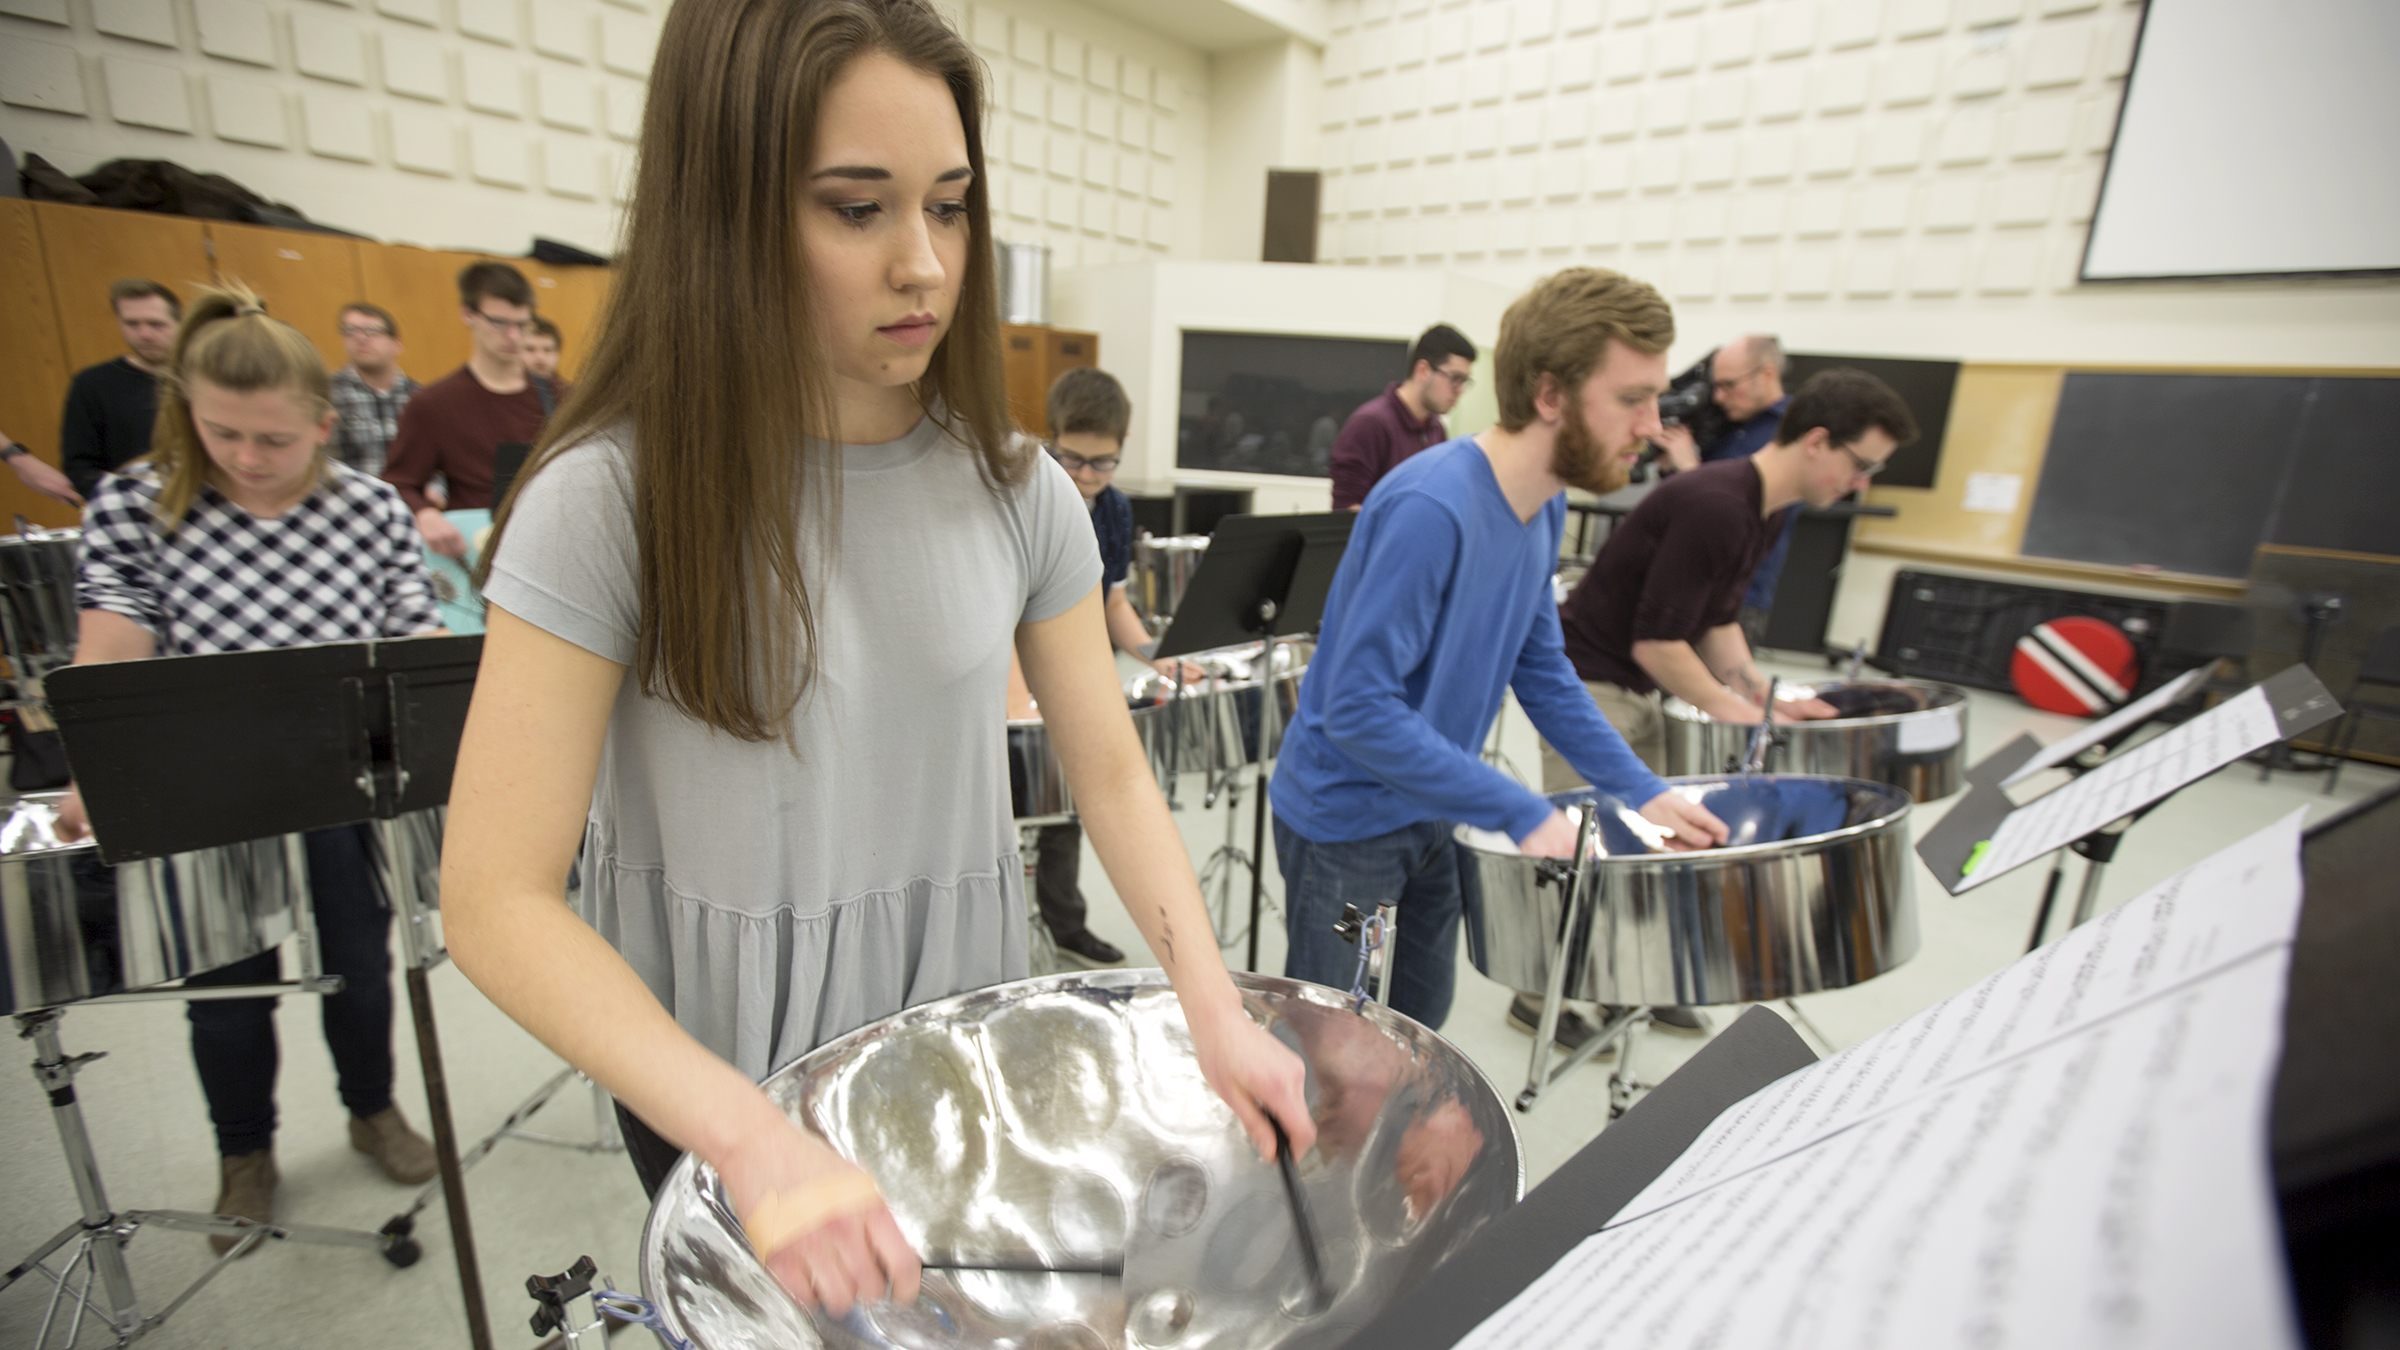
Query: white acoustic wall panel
point(562, 29)
point(338, 128)
point(324, 102)
point(497, 154)
point(413, 67)
point(235, 30)
point(40, 11)
point(328, 47)
point(2220, 96)
point(44, 75)
point(563, 94)
point(147, 94)
point(425, 12)
point(424, 141)
point(247, 111)
point(151, 21)
point(494, 82)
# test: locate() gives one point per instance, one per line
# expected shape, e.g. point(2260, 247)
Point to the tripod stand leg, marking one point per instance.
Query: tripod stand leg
point(2041, 917)
point(57, 1075)
point(2090, 894)
point(445, 1146)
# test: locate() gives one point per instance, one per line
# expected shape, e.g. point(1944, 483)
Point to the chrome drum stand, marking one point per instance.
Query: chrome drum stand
point(94, 1278)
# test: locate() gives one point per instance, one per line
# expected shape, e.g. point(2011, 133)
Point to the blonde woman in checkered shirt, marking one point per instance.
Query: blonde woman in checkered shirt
point(238, 532)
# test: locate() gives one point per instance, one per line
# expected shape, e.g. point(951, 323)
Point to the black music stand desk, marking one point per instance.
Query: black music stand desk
point(181, 753)
point(1263, 577)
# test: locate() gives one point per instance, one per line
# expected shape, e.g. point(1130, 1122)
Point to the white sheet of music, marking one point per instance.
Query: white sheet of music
point(2132, 714)
point(2071, 1153)
point(2127, 782)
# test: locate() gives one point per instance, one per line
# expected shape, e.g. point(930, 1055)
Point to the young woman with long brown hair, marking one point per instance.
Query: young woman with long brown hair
point(236, 532)
point(751, 612)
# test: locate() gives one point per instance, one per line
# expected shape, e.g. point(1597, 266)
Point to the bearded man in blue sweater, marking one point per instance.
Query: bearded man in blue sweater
point(1443, 602)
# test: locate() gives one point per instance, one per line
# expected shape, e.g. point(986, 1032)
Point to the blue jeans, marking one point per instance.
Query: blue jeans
point(1415, 866)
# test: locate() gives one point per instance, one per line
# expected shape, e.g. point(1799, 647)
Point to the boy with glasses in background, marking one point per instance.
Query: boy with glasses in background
point(1089, 416)
point(455, 426)
point(372, 391)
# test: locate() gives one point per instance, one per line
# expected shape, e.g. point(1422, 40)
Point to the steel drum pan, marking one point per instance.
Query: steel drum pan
point(1211, 725)
point(1911, 734)
point(1037, 783)
point(1066, 1118)
point(1162, 571)
point(37, 593)
point(72, 927)
point(1811, 892)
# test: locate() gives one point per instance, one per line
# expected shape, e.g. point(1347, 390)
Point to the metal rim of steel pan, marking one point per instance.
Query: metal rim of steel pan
point(1101, 1133)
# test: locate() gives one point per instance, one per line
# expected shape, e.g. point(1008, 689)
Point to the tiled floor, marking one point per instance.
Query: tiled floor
point(537, 1208)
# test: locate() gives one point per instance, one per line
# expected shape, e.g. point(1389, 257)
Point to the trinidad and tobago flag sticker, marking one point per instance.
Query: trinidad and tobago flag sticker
point(2074, 665)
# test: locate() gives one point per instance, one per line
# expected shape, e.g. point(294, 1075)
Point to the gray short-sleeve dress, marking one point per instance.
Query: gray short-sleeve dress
point(774, 896)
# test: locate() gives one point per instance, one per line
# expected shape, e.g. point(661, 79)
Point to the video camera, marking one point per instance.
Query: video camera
point(1690, 402)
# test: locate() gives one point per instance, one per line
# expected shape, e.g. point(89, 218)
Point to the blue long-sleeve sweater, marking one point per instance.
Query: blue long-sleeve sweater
point(1442, 602)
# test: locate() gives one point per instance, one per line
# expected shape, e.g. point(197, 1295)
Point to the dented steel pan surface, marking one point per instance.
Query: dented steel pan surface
point(1813, 891)
point(1065, 1117)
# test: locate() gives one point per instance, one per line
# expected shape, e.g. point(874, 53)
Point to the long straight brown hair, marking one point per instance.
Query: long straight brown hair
point(707, 353)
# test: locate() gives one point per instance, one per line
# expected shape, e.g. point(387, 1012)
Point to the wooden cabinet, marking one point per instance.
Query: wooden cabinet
point(305, 278)
point(86, 248)
point(572, 298)
point(34, 355)
point(1035, 355)
point(420, 288)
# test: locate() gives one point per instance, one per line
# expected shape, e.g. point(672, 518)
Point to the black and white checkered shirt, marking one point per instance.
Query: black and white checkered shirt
point(369, 420)
point(342, 566)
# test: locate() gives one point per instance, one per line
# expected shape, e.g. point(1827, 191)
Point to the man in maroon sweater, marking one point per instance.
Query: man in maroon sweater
point(456, 425)
point(1657, 612)
point(1405, 418)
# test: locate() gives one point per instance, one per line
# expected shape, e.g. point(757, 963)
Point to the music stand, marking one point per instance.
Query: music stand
point(1987, 835)
point(1263, 577)
point(194, 752)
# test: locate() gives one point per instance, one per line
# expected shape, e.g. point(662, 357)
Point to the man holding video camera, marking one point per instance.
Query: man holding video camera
point(1744, 379)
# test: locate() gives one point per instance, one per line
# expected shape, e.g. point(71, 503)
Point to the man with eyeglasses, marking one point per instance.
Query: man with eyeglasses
point(456, 425)
point(1089, 416)
point(372, 391)
point(1405, 418)
point(1658, 610)
point(1746, 381)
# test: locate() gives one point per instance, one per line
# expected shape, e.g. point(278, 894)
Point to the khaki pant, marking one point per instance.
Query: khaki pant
point(1635, 716)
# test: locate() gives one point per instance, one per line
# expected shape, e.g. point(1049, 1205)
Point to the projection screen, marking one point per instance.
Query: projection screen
point(2256, 139)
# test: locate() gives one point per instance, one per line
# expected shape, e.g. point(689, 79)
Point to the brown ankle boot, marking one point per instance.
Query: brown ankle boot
point(246, 1191)
point(405, 1155)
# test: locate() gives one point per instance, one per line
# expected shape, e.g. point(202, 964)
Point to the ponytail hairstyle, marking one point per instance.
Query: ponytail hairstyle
point(229, 341)
point(707, 354)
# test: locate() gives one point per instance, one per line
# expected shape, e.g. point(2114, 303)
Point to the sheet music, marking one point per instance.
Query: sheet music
point(2073, 1152)
point(2128, 782)
point(2132, 714)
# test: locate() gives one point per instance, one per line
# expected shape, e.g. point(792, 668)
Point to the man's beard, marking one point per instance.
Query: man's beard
point(1579, 460)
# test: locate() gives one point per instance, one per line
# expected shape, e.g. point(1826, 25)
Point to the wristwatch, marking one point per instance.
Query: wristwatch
point(11, 451)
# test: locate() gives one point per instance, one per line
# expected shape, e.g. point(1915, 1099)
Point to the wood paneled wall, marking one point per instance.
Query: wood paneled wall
point(56, 263)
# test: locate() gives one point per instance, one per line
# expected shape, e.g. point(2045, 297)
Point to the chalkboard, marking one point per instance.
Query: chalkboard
point(2189, 473)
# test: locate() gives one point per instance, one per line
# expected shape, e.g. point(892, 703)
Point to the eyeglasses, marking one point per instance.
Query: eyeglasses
point(350, 332)
point(1459, 380)
point(1738, 379)
point(1077, 463)
point(1867, 468)
point(505, 325)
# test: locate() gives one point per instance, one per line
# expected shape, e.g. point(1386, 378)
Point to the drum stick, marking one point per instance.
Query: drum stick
point(1318, 1291)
